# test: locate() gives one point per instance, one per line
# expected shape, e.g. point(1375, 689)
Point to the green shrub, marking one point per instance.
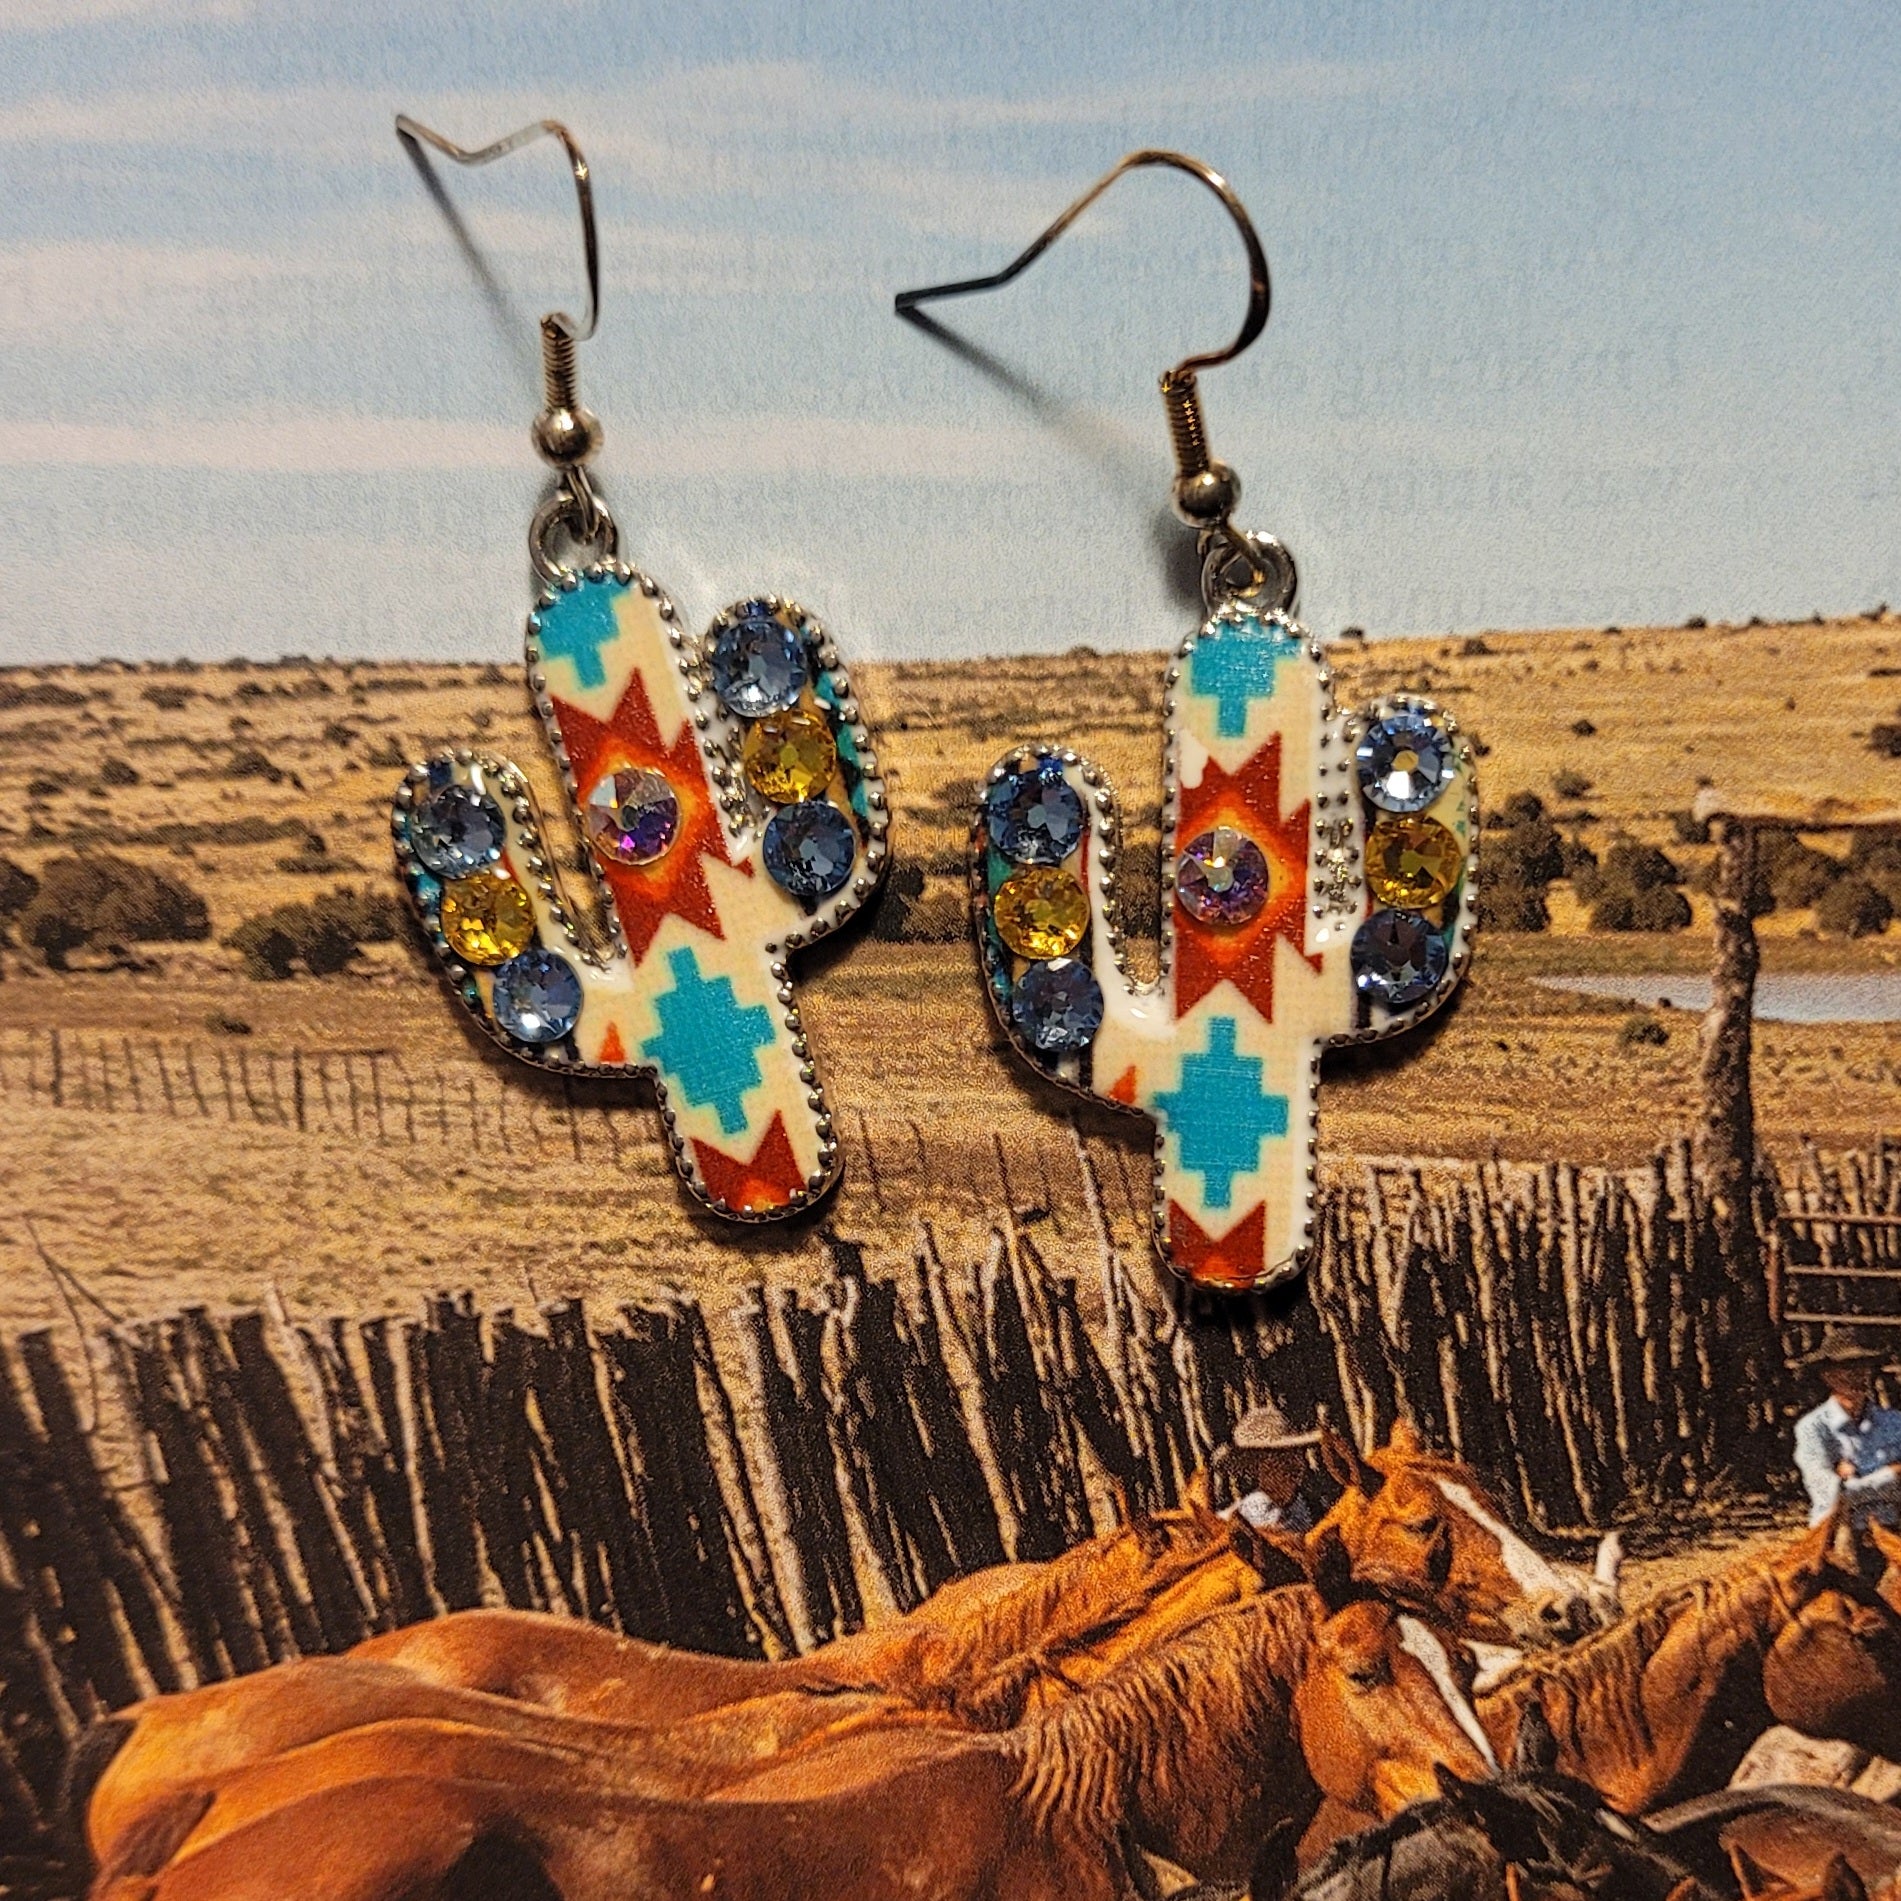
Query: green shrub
point(1854, 907)
point(1653, 908)
point(1511, 907)
point(323, 935)
point(1642, 1030)
point(897, 900)
point(1800, 875)
point(251, 762)
point(98, 899)
point(1523, 853)
point(17, 888)
point(1640, 867)
point(1876, 856)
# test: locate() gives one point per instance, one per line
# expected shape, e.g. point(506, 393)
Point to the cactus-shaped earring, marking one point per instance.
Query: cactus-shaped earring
point(729, 809)
point(1317, 883)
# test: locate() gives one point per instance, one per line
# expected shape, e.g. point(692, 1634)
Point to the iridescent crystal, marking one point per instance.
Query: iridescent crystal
point(537, 996)
point(790, 755)
point(1405, 762)
point(1034, 817)
point(1040, 912)
point(810, 848)
point(1221, 878)
point(632, 815)
point(1412, 862)
point(1057, 1007)
point(1398, 959)
point(487, 918)
point(757, 663)
point(455, 830)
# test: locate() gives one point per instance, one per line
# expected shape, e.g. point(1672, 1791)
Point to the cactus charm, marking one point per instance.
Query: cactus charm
point(730, 810)
point(1280, 820)
point(1280, 817)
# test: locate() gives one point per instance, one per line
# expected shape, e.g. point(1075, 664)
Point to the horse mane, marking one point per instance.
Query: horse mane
point(1032, 1618)
point(1174, 1720)
point(1607, 1667)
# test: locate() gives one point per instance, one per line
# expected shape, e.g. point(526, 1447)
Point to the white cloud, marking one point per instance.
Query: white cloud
point(757, 447)
point(53, 293)
point(54, 16)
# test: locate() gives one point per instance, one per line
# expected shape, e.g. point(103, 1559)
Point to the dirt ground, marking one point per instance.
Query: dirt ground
point(348, 1142)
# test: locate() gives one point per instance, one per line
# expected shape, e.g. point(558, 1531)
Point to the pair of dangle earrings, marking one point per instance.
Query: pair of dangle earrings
point(1318, 862)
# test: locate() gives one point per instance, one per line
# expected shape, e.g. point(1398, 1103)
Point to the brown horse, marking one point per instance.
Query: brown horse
point(1421, 1529)
point(1198, 1749)
point(957, 1635)
point(1793, 1839)
point(1665, 1704)
point(1424, 1529)
point(525, 1663)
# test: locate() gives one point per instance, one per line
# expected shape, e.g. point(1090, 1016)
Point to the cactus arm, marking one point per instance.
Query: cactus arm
point(674, 961)
point(1222, 1050)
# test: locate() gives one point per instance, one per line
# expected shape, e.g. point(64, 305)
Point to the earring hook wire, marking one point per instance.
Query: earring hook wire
point(415, 132)
point(1206, 490)
point(1259, 284)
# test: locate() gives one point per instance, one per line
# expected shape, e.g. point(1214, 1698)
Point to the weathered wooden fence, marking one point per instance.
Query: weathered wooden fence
point(202, 1495)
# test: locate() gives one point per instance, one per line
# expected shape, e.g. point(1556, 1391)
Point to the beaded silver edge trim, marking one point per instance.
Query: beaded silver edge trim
point(739, 816)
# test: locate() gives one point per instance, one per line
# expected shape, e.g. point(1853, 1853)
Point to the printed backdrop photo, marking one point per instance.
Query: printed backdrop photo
point(437, 1462)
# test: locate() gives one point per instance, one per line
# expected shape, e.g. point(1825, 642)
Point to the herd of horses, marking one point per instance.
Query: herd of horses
point(1407, 1703)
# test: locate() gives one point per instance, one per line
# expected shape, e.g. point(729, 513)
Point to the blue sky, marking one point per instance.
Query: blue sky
point(1581, 315)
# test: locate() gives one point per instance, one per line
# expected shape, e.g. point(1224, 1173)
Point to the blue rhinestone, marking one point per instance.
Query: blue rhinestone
point(810, 848)
point(537, 996)
point(457, 830)
point(1035, 817)
point(757, 663)
point(1057, 1007)
point(428, 891)
point(1405, 762)
point(1398, 959)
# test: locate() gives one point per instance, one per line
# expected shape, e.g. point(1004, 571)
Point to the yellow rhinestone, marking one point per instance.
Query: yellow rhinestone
point(790, 755)
point(1412, 862)
point(1040, 912)
point(487, 918)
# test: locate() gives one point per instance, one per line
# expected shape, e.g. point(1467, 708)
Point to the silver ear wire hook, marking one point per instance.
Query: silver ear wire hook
point(565, 433)
point(416, 132)
point(1206, 491)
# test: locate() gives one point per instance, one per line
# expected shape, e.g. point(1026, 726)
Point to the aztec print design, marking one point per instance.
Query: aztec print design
point(675, 964)
point(1222, 1051)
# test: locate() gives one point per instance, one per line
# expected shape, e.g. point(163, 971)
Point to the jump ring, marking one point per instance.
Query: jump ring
point(1275, 585)
point(567, 512)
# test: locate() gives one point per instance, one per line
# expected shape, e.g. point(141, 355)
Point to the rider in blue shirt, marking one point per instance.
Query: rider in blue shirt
point(1849, 1447)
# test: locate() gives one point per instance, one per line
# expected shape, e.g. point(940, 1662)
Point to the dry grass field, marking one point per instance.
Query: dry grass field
point(345, 1141)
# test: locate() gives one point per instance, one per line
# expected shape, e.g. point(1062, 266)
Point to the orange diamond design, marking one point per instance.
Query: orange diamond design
point(1233, 1261)
point(673, 885)
point(1243, 954)
point(770, 1180)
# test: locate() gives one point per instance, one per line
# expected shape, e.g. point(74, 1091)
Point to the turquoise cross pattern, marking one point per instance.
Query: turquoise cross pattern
point(1220, 1114)
point(1234, 666)
point(575, 626)
point(708, 1042)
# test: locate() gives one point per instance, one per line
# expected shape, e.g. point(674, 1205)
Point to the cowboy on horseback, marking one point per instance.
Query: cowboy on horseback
point(1849, 1448)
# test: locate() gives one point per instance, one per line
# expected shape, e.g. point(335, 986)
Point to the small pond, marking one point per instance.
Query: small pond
point(1862, 997)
